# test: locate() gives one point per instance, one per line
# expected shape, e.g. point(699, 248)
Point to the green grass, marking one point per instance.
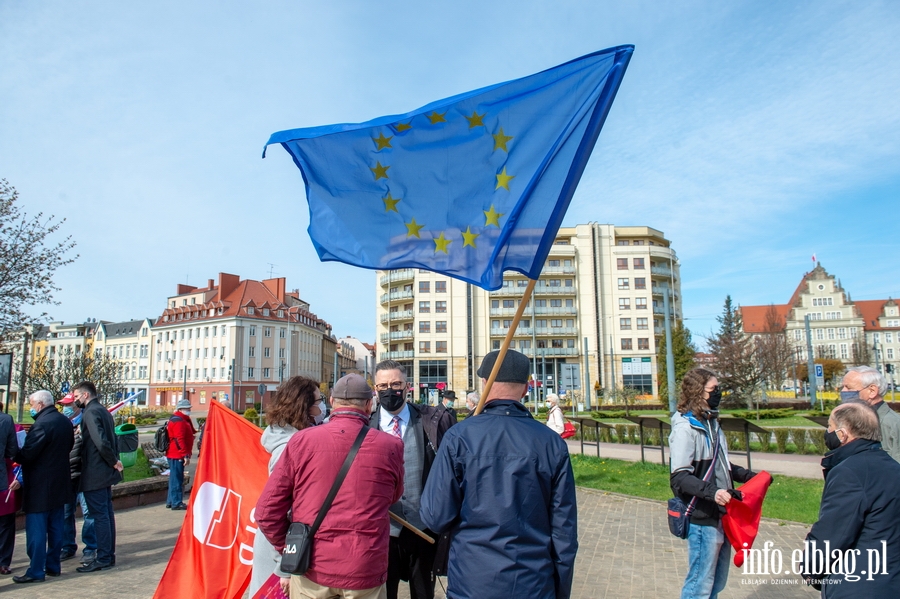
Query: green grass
point(793, 499)
point(141, 468)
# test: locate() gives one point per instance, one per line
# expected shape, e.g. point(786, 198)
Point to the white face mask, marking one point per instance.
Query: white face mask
point(320, 417)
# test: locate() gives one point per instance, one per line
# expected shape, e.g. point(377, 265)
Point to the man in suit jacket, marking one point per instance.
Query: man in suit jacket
point(100, 470)
point(421, 428)
point(8, 445)
point(46, 489)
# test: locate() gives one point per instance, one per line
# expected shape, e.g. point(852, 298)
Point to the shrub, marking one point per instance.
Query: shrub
point(620, 433)
point(251, 414)
point(600, 415)
point(798, 436)
point(633, 434)
point(735, 440)
point(765, 440)
point(764, 414)
point(781, 439)
point(817, 436)
point(650, 437)
point(605, 435)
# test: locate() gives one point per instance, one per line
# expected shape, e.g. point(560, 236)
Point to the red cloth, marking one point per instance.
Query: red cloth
point(350, 550)
point(181, 436)
point(741, 521)
point(214, 551)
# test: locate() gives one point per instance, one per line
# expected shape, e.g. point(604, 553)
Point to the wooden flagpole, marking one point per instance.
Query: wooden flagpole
point(509, 336)
point(406, 524)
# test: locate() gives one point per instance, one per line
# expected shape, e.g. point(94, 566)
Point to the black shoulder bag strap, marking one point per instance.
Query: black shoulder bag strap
point(339, 480)
point(712, 467)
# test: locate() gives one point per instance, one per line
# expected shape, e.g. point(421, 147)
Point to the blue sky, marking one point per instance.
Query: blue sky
point(753, 134)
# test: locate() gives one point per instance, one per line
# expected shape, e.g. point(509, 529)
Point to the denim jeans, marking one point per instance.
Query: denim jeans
point(99, 504)
point(176, 482)
point(87, 527)
point(43, 541)
point(708, 557)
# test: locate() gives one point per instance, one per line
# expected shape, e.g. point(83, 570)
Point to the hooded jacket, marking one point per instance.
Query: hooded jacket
point(691, 444)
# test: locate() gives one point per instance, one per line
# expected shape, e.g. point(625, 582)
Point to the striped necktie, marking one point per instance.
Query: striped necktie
point(395, 427)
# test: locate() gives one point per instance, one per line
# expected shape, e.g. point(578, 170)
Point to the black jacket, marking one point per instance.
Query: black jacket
point(860, 509)
point(45, 462)
point(8, 445)
point(98, 451)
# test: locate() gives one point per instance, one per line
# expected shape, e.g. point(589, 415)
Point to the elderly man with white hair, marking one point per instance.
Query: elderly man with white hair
point(47, 486)
point(870, 386)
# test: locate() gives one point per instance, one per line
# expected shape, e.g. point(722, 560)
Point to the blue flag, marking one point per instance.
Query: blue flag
point(469, 186)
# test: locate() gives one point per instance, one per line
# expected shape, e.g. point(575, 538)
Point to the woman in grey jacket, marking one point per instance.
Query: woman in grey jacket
point(692, 442)
point(297, 405)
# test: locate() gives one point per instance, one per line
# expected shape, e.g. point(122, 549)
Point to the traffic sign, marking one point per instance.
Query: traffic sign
point(262, 389)
point(820, 376)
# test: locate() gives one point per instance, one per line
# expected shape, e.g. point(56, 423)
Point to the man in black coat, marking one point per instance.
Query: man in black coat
point(421, 428)
point(100, 470)
point(860, 511)
point(46, 490)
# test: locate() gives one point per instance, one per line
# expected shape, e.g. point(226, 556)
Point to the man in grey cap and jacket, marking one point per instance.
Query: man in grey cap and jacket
point(502, 484)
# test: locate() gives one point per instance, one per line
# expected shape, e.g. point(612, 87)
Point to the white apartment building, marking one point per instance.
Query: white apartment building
point(598, 304)
point(128, 343)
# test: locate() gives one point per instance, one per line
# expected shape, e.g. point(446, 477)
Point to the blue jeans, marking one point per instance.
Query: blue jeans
point(176, 482)
point(99, 504)
point(87, 527)
point(43, 541)
point(708, 557)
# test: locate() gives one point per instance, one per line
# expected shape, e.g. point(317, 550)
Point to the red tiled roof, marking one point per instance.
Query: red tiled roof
point(871, 310)
point(754, 317)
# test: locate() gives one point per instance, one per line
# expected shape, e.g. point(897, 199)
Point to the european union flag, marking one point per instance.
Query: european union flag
point(469, 186)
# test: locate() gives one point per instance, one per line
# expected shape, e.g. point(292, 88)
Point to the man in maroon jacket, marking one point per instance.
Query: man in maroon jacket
point(349, 555)
point(181, 445)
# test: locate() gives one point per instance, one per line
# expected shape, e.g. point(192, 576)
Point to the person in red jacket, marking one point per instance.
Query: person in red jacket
point(350, 549)
point(181, 445)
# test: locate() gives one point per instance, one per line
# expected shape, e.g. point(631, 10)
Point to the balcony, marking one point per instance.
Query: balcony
point(549, 352)
point(547, 290)
point(395, 296)
point(661, 271)
point(508, 291)
point(397, 316)
point(397, 355)
point(403, 274)
point(397, 336)
point(538, 331)
point(554, 310)
point(558, 270)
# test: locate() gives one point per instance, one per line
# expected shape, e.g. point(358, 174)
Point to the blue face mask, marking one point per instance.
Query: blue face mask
point(33, 412)
point(68, 412)
point(850, 396)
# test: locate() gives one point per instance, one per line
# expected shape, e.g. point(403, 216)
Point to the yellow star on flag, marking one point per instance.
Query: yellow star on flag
point(402, 127)
point(382, 142)
point(475, 120)
point(390, 203)
point(469, 236)
point(441, 243)
point(412, 228)
point(436, 118)
point(492, 217)
point(500, 141)
point(502, 180)
point(380, 172)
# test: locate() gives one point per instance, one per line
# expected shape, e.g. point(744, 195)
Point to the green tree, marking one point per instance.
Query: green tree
point(736, 362)
point(683, 351)
point(28, 260)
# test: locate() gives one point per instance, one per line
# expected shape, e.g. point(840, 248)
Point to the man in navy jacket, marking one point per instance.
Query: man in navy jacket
point(502, 484)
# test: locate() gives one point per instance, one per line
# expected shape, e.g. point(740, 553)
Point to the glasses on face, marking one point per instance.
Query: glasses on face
point(396, 386)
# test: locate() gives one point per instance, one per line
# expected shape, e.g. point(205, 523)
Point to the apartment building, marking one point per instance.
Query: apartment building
point(235, 334)
point(129, 344)
point(855, 332)
point(595, 315)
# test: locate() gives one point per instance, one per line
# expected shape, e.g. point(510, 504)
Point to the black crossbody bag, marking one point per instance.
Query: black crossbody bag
point(298, 542)
point(680, 514)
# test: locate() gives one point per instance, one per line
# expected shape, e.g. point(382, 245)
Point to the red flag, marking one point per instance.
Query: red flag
point(741, 520)
point(213, 555)
point(271, 589)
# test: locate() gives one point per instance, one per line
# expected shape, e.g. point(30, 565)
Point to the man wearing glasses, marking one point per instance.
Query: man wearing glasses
point(421, 429)
point(869, 385)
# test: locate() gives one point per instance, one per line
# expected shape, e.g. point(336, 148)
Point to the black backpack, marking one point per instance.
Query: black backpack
point(161, 439)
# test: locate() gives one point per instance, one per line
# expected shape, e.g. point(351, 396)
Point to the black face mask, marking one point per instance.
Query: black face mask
point(831, 440)
point(390, 399)
point(79, 404)
point(715, 397)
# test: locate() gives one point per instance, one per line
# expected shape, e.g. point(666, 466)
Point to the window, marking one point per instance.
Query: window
point(267, 352)
point(624, 303)
point(642, 324)
point(265, 313)
point(440, 326)
point(206, 352)
point(622, 263)
point(509, 303)
point(553, 282)
point(570, 322)
point(638, 242)
point(842, 333)
point(282, 332)
point(495, 344)
point(495, 303)
point(424, 287)
point(440, 307)
point(622, 242)
point(570, 343)
point(495, 324)
point(281, 314)
point(556, 322)
point(440, 286)
point(640, 283)
point(552, 263)
point(424, 307)
point(267, 331)
point(251, 351)
point(440, 347)
point(626, 344)
point(250, 372)
point(798, 334)
point(424, 326)
point(252, 331)
point(556, 343)
point(625, 324)
point(568, 283)
point(643, 343)
point(888, 337)
point(623, 284)
point(640, 303)
point(820, 333)
point(556, 303)
point(266, 373)
point(424, 347)
point(638, 263)
point(280, 352)
point(570, 303)
point(890, 353)
point(831, 333)
point(541, 303)
point(251, 310)
point(525, 344)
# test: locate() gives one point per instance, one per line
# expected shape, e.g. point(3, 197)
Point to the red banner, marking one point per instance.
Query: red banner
point(213, 555)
